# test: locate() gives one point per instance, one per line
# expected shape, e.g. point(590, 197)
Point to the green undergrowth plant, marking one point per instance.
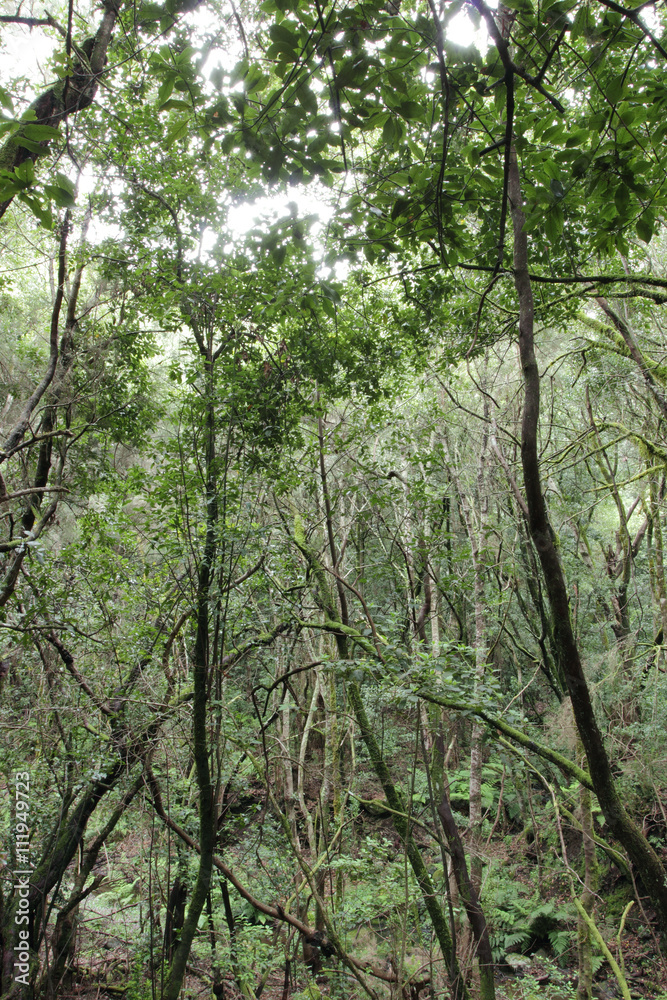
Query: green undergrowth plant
point(558, 987)
point(139, 986)
point(521, 920)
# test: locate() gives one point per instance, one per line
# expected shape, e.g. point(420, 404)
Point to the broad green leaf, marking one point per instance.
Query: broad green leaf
point(8, 190)
point(177, 131)
point(317, 144)
point(278, 254)
point(329, 307)
point(391, 131)
point(622, 198)
point(645, 226)
point(150, 12)
point(411, 110)
point(307, 99)
point(281, 51)
point(6, 100)
point(39, 132)
point(557, 189)
point(32, 147)
point(175, 104)
point(553, 223)
point(283, 35)
point(615, 89)
point(26, 171)
point(164, 93)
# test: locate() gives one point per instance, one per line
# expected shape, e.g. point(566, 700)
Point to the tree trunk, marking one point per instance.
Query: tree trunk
point(644, 858)
point(401, 823)
point(68, 96)
point(207, 812)
point(467, 891)
point(587, 899)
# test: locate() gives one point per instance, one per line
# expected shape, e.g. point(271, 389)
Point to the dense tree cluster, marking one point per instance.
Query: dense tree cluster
point(333, 591)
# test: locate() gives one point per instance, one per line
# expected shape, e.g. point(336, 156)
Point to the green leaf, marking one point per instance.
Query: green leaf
point(174, 104)
point(8, 190)
point(557, 189)
point(391, 131)
point(329, 307)
point(580, 137)
point(553, 223)
point(278, 254)
point(65, 184)
point(281, 51)
point(26, 171)
point(644, 226)
point(239, 71)
point(62, 192)
point(330, 292)
point(177, 131)
point(622, 198)
point(281, 33)
point(39, 132)
point(581, 165)
point(471, 153)
point(400, 207)
point(217, 77)
point(255, 81)
point(61, 198)
point(317, 144)
point(42, 213)
point(307, 99)
point(164, 93)
point(614, 90)
point(150, 12)
point(6, 100)
point(353, 72)
point(32, 147)
point(411, 110)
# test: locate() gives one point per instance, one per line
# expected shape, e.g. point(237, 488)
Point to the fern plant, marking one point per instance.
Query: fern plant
point(520, 922)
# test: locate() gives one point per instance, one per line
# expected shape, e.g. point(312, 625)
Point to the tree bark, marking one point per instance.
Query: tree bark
point(644, 858)
point(207, 811)
point(67, 97)
point(401, 823)
point(466, 888)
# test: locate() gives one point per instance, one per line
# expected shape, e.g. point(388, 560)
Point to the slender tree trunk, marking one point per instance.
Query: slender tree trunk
point(63, 938)
point(476, 532)
point(401, 823)
point(659, 586)
point(466, 889)
point(587, 898)
point(644, 858)
point(207, 812)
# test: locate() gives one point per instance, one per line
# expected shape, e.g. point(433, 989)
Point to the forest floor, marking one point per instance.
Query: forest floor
point(116, 941)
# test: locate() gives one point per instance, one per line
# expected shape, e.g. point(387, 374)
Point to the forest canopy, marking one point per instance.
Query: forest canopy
point(333, 594)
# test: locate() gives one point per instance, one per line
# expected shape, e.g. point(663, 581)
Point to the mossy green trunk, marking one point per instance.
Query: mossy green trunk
point(401, 823)
point(644, 858)
point(174, 981)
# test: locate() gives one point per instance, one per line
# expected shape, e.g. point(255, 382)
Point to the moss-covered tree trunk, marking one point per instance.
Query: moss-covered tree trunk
point(587, 898)
point(644, 858)
point(467, 891)
point(207, 812)
point(68, 96)
point(402, 826)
